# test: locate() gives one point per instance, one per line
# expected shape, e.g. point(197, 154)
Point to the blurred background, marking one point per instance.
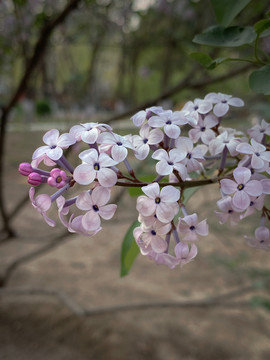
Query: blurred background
point(69, 62)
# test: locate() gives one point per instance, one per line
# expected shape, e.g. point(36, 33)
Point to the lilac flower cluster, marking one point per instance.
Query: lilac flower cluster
point(186, 146)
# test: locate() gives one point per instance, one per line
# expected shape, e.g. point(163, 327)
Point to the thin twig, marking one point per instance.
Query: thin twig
point(31, 256)
point(184, 84)
point(38, 52)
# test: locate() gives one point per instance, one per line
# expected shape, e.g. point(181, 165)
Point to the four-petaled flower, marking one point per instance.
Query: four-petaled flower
point(161, 202)
point(55, 145)
point(222, 102)
point(95, 205)
point(95, 166)
point(189, 228)
point(242, 188)
point(170, 121)
point(261, 240)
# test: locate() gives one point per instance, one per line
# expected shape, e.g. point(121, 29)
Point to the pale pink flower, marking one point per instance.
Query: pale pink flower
point(42, 204)
point(192, 157)
point(168, 162)
point(95, 166)
point(223, 140)
point(261, 240)
point(95, 205)
point(222, 102)
point(256, 203)
point(88, 132)
point(242, 188)
point(258, 153)
point(228, 211)
point(258, 131)
point(163, 203)
point(189, 228)
point(153, 235)
point(57, 178)
point(170, 121)
point(118, 145)
point(55, 145)
point(202, 131)
point(146, 138)
point(46, 160)
point(184, 254)
point(139, 118)
point(196, 108)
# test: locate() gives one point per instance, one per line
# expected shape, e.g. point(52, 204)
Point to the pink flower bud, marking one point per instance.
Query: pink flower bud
point(34, 179)
point(25, 169)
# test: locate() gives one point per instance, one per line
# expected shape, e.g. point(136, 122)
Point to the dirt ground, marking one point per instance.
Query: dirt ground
point(36, 324)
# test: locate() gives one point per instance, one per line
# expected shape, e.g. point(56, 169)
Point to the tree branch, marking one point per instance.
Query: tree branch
point(38, 52)
point(184, 84)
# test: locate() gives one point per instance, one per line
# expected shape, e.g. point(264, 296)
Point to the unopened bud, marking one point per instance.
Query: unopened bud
point(34, 179)
point(25, 169)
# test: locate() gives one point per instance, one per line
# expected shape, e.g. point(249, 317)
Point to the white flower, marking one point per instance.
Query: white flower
point(55, 145)
point(95, 166)
point(117, 143)
point(217, 145)
point(139, 118)
point(203, 129)
point(169, 162)
point(95, 205)
point(260, 157)
point(257, 132)
point(163, 203)
point(88, 132)
point(222, 102)
point(147, 137)
point(170, 121)
point(192, 157)
point(196, 108)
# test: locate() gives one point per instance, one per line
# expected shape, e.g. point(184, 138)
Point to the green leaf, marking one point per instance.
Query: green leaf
point(220, 36)
point(129, 250)
point(259, 80)
point(206, 61)
point(227, 10)
point(261, 26)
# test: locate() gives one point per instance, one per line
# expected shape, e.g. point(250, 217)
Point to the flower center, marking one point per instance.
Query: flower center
point(261, 241)
point(168, 122)
point(257, 153)
point(157, 200)
point(196, 107)
point(203, 128)
point(230, 211)
point(188, 155)
point(145, 141)
point(192, 227)
point(96, 166)
point(153, 232)
point(170, 162)
point(53, 147)
point(95, 208)
point(58, 179)
point(251, 203)
point(240, 187)
point(119, 143)
point(224, 101)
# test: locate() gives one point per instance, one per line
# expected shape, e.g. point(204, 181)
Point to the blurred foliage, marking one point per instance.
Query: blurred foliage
point(113, 54)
